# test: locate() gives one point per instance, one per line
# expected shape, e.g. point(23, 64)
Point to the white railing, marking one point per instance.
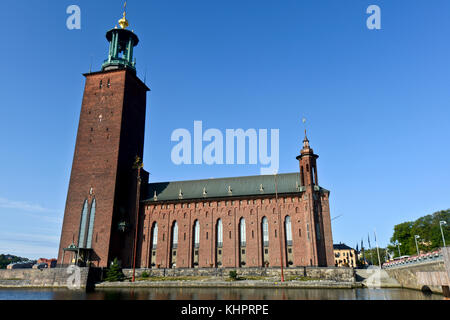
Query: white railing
point(425, 257)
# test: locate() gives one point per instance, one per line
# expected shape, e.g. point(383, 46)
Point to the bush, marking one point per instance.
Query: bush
point(145, 274)
point(114, 272)
point(233, 275)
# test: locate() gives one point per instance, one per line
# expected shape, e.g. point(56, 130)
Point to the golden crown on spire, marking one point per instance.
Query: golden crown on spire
point(124, 22)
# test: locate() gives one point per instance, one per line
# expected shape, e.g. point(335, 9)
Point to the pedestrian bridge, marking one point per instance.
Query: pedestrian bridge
point(429, 271)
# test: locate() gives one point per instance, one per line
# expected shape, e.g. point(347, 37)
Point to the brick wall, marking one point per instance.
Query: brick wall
point(110, 136)
point(230, 212)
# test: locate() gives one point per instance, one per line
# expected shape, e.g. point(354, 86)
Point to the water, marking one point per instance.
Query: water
point(217, 294)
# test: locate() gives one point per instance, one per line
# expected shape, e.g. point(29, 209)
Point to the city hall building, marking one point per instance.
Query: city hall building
point(112, 211)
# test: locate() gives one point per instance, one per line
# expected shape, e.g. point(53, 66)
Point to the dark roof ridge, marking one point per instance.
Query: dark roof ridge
point(260, 185)
point(226, 178)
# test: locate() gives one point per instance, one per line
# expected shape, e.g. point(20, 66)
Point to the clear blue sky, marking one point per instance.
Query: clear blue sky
point(377, 102)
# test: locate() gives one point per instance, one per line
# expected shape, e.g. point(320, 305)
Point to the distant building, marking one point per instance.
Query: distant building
point(344, 256)
point(362, 257)
point(51, 263)
point(20, 265)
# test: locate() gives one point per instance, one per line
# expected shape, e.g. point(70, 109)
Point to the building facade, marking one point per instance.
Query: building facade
point(344, 256)
point(112, 211)
point(51, 263)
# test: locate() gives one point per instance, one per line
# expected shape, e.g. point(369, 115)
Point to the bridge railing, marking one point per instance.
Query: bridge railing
point(424, 257)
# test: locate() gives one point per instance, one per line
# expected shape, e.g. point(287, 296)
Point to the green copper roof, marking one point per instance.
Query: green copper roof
point(121, 46)
point(223, 187)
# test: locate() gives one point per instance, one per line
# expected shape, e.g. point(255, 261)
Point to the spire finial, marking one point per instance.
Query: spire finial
point(124, 22)
point(305, 141)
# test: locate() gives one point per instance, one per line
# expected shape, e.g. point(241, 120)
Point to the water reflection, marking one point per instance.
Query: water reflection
point(217, 294)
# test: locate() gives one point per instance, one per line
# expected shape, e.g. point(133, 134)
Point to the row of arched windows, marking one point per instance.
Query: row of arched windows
point(219, 233)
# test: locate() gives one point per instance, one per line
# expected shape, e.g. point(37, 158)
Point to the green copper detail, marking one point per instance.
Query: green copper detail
point(121, 45)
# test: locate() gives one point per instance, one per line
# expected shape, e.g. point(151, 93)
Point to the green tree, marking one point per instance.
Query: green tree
point(114, 272)
point(233, 275)
point(6, 259)
point(371, 255)
point(427, 227)
point(403, 234)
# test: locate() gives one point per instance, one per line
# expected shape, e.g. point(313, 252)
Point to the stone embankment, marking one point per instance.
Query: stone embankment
point(301, 277)
point(331, 273)
point(310, 284)
point(427, 272)
point(45, 278)
point(376, 278)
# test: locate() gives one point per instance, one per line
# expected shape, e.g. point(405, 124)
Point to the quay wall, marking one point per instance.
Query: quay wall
point(326, 273)
point(46, 278)
point(424, 275)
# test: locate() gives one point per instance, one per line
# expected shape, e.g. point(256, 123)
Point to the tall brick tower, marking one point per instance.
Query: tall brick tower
point(317, 211)
point(102, 199)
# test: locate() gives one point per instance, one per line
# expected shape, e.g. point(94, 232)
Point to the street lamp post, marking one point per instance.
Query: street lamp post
point(417, 246)
point(138, 165)
point(398, 247)
point(441, 223)
point(279, 227)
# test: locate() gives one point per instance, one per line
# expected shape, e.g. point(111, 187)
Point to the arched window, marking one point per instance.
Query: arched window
point(91, 225)
point(155, 235)
point(196, 234)
point(219, 233)
point(242, 237)
point(302, 176)
point(82, 234)
point(313, 169)
point(318, 231)
point(265, 231)
point(307, 231)
point(175, 235)
point(288, 230)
